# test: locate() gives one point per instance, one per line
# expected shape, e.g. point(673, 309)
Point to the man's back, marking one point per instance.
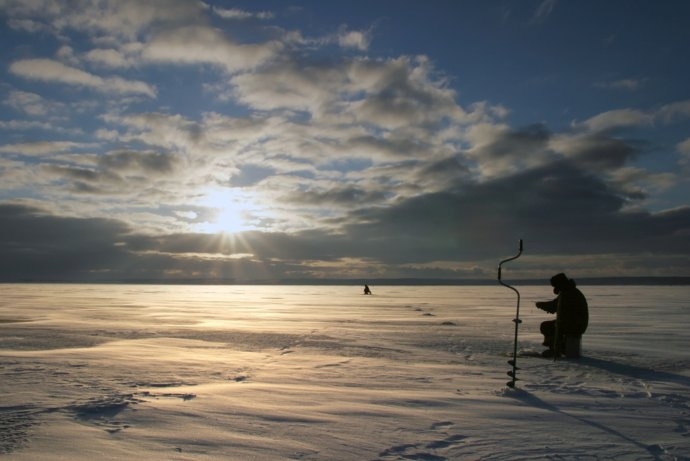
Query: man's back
point(573, 313)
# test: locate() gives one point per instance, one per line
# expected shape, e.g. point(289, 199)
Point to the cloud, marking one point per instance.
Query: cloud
point(28, 25)
point(238, 14)
point(543, 11)
point(626, 84)
point(28, 125)
point(617, 119)
point(596, 152)
point(205, 45)
point(388, 94)
point(354, 39)
point(346, 196)
point(402, 92)
point(636, 182)
point(85, 181)
point(146, 163)
point(158, 129)
point(289, 85)
point(36, 245)
point(116, 173)
point(675, 111)
point(40, 148)
point(348, 155)
point(621, 118)
point(109, 58)
point(48, 70)
point(684, 147)
point(173, 31)
point(558, 209)
point(500, 151)
point(32, 103)
point(124, 18)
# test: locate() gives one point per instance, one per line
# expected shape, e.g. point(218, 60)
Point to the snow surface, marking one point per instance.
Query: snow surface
point(326, 373)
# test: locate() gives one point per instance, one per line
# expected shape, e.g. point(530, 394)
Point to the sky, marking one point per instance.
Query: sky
point(274, 140)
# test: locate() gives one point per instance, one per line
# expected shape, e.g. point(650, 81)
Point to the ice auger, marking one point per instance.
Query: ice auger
point(513, 373)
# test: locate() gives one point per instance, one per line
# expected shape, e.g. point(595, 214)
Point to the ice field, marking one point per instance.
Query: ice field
point(325, 373)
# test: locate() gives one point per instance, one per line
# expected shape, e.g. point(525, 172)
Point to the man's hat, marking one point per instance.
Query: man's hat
point(559, 280)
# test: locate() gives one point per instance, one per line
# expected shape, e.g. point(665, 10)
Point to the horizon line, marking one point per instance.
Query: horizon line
point(391, 281)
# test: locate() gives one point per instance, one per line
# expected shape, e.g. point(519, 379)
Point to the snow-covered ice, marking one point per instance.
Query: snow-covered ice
point(325, 373)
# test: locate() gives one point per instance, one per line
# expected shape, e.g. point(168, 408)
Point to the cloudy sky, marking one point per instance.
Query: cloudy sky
point(363, 139)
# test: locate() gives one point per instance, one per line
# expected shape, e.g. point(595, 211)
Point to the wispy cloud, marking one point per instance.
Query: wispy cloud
point(31, 103)
point(617, 119)
point(40, 148)
point(239, 14)
point(621, 118)
point(679, 110)
point(48, 70)
point(543, 11)
point(626, 84)
point(123, 18)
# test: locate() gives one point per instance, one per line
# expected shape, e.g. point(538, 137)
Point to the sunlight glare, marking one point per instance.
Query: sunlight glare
point(231, 208)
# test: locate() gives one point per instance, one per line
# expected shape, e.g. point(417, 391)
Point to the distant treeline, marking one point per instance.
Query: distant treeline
point(373, 282)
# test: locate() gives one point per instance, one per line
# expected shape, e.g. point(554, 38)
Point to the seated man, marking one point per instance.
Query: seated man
point(572, 315)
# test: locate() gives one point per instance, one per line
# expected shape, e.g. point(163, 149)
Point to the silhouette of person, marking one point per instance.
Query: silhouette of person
point(367, 291)
point(572, 314)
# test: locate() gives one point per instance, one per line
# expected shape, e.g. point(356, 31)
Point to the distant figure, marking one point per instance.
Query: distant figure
point(367, 291)
point(572, 315)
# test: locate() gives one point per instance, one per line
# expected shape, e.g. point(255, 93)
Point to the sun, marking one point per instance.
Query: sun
point(230, 211)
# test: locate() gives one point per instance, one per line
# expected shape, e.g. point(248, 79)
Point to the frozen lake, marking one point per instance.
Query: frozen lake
point(325, 373)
